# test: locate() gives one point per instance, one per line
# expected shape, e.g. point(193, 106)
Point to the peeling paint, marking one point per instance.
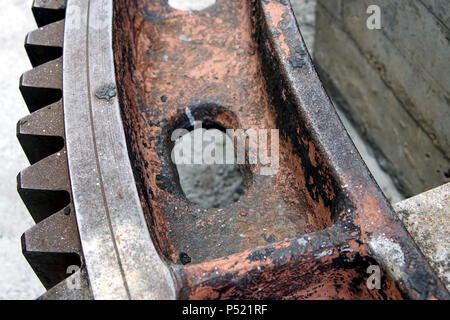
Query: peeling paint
point(324, 253)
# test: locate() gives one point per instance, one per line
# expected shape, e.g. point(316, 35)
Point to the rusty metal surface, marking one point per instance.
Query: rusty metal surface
point(308, 232)
point(243, 64)
point(216, 73)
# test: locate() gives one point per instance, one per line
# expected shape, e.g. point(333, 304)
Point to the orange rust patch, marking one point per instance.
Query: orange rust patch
point(277, 14)
point(208, 61)
point(230, 65)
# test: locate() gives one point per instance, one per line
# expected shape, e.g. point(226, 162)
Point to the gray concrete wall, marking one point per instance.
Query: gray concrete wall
point(427, 219)
point(393, 83)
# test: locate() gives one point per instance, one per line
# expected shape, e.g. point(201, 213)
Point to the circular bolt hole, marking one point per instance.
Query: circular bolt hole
point(206, 164)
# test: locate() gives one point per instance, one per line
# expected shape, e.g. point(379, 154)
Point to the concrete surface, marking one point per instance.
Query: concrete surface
point(17, 280)
point(392, 82)
point(427, 218)
point(383, 179)
point(305, 12)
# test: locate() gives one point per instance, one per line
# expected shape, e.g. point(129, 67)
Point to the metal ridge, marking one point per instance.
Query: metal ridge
point(360, 201)
point(121, 260)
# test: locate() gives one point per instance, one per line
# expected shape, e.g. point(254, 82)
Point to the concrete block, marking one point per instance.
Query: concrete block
point(427, 218)
point(359, 81)
point(400, 51)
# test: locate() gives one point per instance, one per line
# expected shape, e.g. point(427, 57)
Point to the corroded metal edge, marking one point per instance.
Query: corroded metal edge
point(365, 223)
point(361, 202)
point(120, 257)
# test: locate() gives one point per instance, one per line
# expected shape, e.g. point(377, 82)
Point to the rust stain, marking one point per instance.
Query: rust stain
point(208, 62)
point(287, 271)
point(232, 66)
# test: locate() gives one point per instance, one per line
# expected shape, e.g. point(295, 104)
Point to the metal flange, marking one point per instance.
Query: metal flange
point(120, 257)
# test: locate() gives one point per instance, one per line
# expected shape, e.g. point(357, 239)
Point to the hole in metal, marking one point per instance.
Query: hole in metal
point(207, 168)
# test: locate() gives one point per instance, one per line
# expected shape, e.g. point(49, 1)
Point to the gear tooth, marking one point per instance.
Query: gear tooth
point(56, 234)
point(53, 245)
point(48, 121)
point(75, 287)
point(48, 174)
point(42, 85)
point(45, 44)
point(42, 132)
point(48, 11)
point(45, 187)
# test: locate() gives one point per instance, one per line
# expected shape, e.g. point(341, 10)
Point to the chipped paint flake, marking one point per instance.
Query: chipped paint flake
point(190, 117)
point(324, 253)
